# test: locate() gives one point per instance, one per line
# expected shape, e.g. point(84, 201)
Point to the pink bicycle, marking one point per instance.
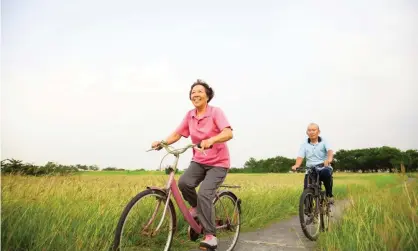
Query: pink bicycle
point(155, 209)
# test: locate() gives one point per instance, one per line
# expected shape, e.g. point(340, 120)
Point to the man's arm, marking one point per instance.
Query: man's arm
point(299, 159)
point(329, 159)
point(330, 156)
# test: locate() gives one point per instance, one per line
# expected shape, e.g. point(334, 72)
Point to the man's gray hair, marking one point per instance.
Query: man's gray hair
point(313, 124)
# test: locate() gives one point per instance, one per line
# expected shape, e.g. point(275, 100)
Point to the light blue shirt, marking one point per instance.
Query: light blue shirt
point(314, 153)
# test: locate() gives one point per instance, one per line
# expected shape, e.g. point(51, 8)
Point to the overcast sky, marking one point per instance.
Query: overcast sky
point(95, 82)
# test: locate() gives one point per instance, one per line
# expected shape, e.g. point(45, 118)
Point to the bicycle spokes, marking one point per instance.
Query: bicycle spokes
point(145, 229)
point(311, 215)
point(146, 225)
point(227, 219)
point(326, 213)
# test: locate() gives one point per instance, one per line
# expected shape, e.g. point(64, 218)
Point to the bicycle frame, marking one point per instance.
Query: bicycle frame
point(316, 186)
point(171, 188)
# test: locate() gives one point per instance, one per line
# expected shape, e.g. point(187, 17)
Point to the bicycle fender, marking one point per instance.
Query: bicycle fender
point(229, 193)
point(158, 189)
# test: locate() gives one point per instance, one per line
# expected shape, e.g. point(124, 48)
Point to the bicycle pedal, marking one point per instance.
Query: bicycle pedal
point(193, 236)
point(207, 247)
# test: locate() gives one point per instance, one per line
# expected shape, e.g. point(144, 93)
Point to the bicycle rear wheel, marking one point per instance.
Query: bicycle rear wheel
point(228, 220)
point(143, 224)
point(309, 208)
point(325, 212)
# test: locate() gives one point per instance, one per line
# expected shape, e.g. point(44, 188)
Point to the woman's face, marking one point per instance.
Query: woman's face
point(198, 96)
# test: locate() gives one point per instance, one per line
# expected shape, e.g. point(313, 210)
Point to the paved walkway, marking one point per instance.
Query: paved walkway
point(286, 235)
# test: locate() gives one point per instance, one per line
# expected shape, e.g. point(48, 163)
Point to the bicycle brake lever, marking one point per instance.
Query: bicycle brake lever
point(154, 149)
point(198, 145)
point(199, 148)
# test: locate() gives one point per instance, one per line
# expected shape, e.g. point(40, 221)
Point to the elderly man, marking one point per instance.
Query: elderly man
point(317, 151)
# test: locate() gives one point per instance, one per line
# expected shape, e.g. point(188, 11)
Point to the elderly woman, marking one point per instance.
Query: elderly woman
point(206, 124)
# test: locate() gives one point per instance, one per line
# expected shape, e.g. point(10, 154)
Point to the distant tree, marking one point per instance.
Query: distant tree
point(109, 169)
point(93, 168)
point(167, 169)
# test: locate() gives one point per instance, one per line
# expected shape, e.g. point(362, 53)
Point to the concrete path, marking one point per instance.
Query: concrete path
point(286, 235)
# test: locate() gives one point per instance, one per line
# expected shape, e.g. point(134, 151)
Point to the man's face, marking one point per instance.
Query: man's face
point(313, 132)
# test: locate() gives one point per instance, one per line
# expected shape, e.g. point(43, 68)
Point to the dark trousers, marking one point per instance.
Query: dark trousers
point(211, 178)
point(325, 175)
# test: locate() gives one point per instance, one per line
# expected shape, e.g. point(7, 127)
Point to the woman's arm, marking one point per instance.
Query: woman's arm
point(225, 135)
point(173, 138)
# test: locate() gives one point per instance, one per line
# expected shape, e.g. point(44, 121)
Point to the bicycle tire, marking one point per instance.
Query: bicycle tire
point(128, 207)
point(304, 194)
point(236, 201)
point(324, 213)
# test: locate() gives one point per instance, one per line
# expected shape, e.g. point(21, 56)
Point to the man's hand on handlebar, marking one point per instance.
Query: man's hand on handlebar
point(327, 163)
point(295, 167)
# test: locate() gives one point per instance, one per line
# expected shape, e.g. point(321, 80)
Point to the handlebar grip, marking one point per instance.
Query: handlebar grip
point(198, 145)
point(300, 169)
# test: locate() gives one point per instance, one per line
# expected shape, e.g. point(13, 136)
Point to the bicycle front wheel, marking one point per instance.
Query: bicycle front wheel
point(146, 223)
point(309, 212)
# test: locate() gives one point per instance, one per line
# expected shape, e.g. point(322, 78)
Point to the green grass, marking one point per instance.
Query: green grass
point(379, 218)
point(81, 212)
point(110, 173)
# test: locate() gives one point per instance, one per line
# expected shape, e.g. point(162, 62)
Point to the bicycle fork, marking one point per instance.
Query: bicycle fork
point(154, 232)
point(168, 185)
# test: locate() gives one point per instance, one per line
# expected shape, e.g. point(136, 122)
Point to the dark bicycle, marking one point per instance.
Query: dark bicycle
point(314, 204)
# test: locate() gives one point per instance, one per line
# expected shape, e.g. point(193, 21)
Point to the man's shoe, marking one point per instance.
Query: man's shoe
point(209, 243)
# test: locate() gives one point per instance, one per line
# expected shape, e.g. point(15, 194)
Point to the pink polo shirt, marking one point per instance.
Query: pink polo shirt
point(209, 125)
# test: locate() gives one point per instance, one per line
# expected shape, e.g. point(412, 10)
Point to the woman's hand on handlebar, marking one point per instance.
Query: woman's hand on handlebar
point(156, 145)
point(206, 144)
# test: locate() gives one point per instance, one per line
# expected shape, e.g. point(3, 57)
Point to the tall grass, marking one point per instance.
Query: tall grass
point(378, 219)
point(81, 212)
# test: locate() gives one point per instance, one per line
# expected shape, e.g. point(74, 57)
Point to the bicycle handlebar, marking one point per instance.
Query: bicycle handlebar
point(316, 168)
point(177, 151)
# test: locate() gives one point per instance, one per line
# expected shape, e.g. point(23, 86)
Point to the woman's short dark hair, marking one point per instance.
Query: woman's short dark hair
point(209, 91)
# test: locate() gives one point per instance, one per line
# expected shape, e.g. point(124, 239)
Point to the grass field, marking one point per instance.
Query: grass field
point(81, 212)
point(382, 217)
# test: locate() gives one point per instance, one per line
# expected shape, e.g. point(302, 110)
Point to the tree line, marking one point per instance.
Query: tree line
point(13, 166)
point(378, 159)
